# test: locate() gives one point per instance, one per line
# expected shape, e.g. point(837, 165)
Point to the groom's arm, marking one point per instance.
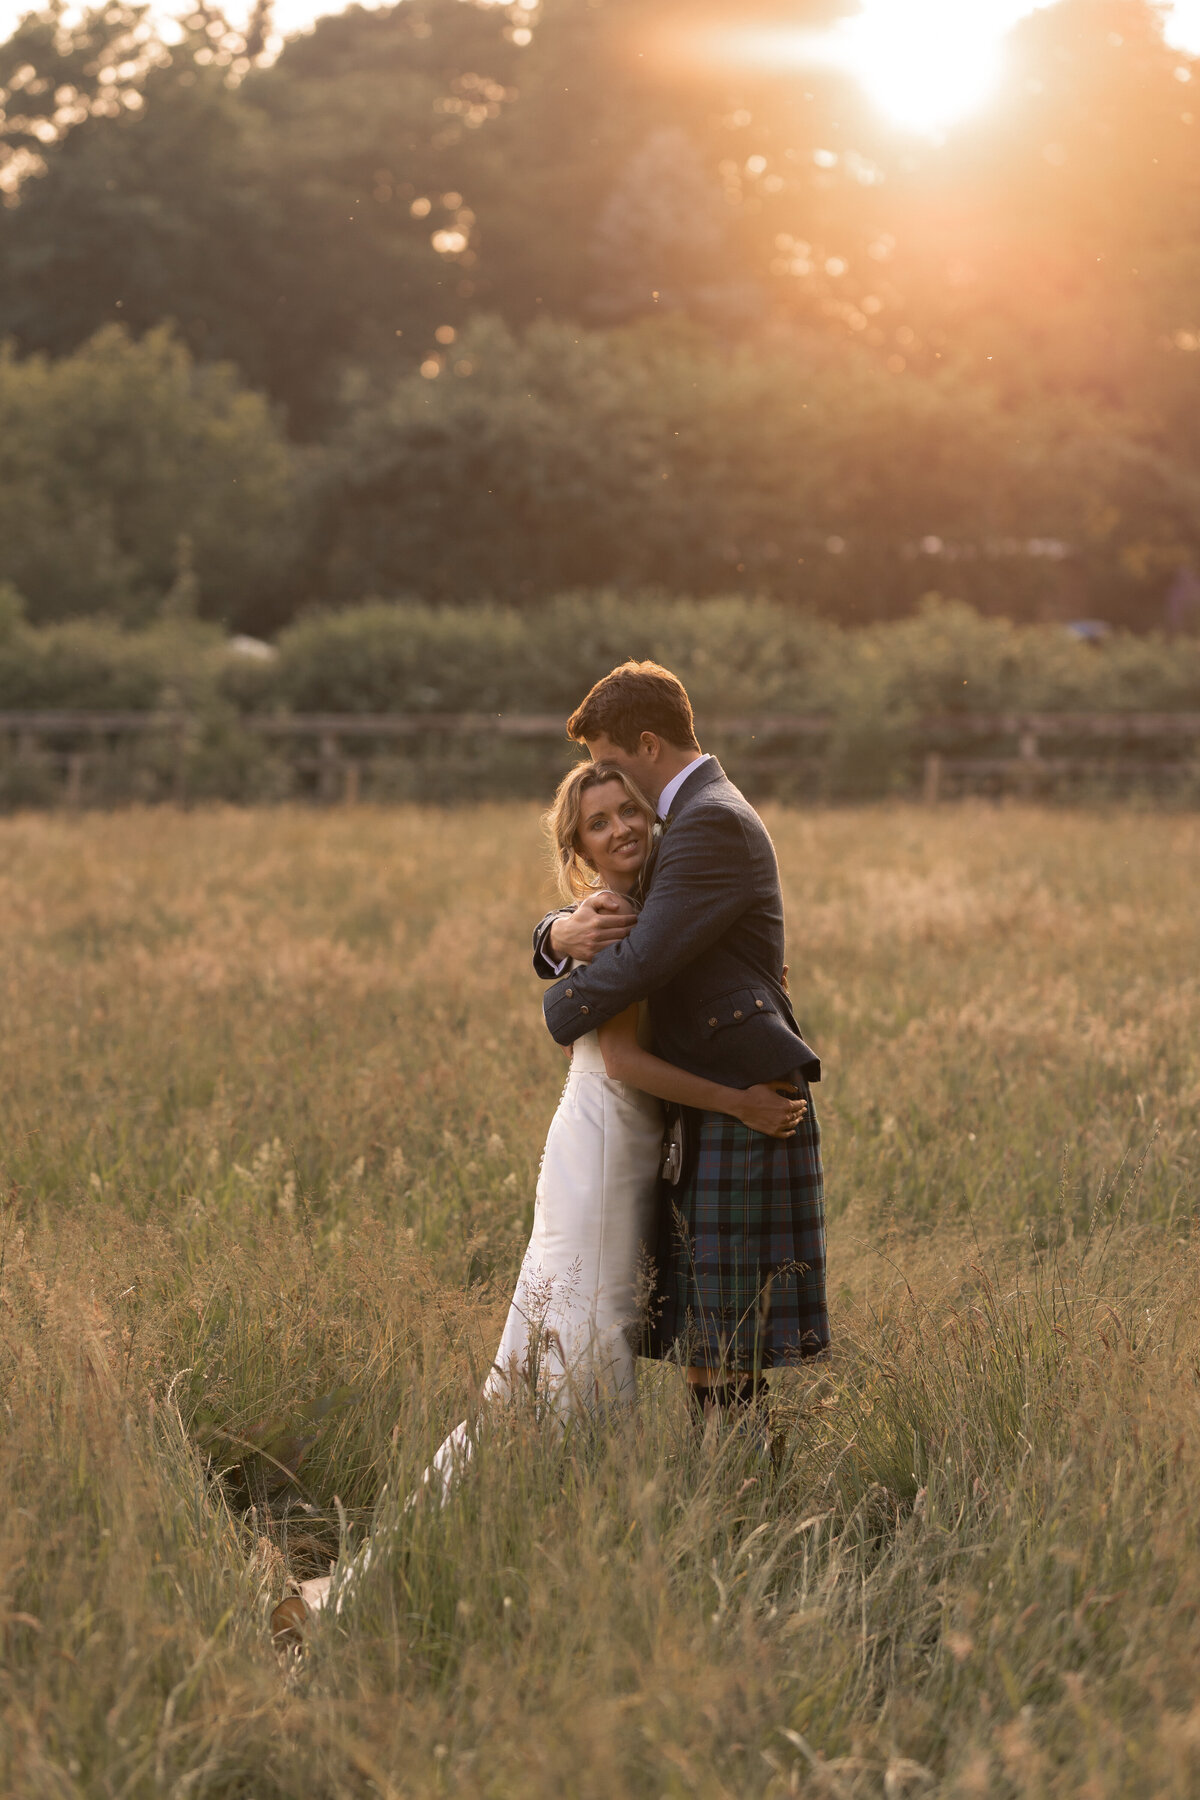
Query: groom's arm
point(579, 933)
point(545, 963)
point(702, 884)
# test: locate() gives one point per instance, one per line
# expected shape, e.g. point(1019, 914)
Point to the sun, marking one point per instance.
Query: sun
point(927, 66)
point(925, 63)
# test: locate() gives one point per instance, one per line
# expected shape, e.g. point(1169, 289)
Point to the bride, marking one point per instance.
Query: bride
point(571, 1329)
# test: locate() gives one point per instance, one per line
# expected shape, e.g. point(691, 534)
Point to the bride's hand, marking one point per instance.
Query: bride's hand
point(772, 1110)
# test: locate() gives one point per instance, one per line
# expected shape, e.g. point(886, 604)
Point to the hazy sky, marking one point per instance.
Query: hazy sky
point(926, 62)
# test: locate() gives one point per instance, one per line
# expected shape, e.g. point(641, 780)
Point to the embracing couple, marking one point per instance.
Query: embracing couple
point(669, 986)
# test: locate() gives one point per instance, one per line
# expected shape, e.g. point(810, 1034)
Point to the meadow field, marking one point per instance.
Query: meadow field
point(272, 1094)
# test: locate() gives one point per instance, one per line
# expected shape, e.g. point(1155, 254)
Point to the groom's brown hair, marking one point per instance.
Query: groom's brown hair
point(637, 697)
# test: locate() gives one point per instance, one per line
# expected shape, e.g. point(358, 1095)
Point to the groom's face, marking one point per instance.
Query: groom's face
point(641, 765)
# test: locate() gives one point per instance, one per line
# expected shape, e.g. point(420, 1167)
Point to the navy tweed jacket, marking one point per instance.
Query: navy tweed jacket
point(707, 951)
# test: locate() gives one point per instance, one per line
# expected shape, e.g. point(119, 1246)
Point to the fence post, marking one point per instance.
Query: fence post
point(350, 774)
point(75, 767)
point(1027, 754)
point(328, 761)
point(933, 778)
point(179, 762)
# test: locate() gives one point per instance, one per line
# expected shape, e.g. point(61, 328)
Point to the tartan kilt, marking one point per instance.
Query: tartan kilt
point(741, 1252)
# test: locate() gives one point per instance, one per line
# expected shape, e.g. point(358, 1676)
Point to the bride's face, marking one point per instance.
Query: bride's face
point(614, 834)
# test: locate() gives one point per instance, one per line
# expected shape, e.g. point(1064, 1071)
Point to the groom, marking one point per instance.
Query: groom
point(742, 1281)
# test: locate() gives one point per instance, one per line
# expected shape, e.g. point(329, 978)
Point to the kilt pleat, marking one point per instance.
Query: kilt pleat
point(741, 1257)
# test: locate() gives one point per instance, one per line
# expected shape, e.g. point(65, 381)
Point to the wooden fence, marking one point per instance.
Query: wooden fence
point(1111, 745)
point(333, 752)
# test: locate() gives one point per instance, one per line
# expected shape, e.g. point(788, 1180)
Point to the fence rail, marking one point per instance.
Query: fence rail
point(333, 749)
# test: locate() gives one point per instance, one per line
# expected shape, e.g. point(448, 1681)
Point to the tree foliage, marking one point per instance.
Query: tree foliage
point(568, 458)
point(849, 365)
point(126, 469)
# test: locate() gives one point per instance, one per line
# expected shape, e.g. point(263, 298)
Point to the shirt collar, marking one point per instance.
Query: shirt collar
point(666, 799)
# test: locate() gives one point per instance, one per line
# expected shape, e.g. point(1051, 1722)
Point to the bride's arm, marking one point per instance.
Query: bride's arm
point(761, 1108)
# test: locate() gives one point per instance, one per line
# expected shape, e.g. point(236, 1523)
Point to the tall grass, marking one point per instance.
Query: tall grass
point(273, 1092)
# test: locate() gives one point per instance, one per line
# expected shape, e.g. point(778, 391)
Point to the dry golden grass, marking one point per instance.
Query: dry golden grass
point(273, 1091)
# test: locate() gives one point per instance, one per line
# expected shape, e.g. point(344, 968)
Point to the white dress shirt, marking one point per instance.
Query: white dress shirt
point(667, 798)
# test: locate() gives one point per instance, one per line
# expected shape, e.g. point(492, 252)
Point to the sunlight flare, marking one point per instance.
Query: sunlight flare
point(926, 66)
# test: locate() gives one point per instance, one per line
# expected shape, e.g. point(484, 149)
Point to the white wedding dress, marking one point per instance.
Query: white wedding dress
point(574, 1319)
point(569, 1339)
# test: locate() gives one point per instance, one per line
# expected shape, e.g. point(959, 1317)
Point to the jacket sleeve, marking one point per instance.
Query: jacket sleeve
point(544, 964)
point(703, 882)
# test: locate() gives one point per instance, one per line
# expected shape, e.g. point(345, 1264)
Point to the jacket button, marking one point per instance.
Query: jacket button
point(570, 993)
point(737, 1015)
point(758, 1003)
point(585, 1009)
point(712, 1021)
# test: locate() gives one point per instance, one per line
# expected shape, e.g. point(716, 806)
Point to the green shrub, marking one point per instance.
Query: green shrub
point(948, 659)
point(96, 665)
point(736, 655)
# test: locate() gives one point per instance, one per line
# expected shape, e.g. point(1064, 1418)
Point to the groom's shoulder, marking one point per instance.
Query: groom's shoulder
point(712, 799)
point(724, 796)
point(720, 808)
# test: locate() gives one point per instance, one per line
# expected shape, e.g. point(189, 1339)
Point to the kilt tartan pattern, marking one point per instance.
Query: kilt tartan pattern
point(742, 1253)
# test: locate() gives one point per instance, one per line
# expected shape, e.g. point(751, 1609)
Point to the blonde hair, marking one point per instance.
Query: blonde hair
point(575, 879)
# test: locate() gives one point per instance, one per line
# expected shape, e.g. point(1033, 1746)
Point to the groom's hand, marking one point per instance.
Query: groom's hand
point(598, 921)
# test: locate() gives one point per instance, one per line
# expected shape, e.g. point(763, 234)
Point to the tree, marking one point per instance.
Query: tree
point(371, 128)
point(1052, 246)
point(294, 219)
point(618, 94)
point(656, 456)
point(661, 242)
point(124, 467)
